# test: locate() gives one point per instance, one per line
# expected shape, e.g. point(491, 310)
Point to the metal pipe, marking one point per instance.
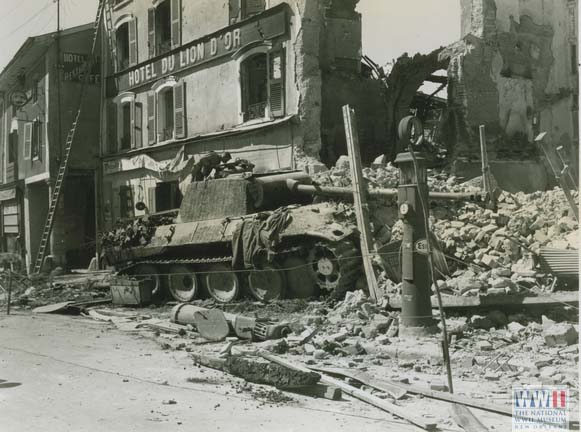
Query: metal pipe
point(342, 192)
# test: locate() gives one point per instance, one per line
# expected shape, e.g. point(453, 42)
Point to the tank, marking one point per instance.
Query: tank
point(212, 247)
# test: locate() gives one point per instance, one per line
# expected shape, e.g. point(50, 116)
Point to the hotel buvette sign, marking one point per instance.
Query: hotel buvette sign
point(212, 47)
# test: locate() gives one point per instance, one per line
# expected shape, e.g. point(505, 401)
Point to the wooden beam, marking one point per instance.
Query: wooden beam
point(360, 200)
point(394, 391)
point(466, 419)
point(508, 300)
point(380, 403)
point(437, 79)
point(359, 394)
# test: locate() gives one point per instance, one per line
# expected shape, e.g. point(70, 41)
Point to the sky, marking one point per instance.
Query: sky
point(390, 27)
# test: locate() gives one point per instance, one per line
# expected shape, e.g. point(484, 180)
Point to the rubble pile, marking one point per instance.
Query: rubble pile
point(505, 244)
point(43, 290)
point(494, 250)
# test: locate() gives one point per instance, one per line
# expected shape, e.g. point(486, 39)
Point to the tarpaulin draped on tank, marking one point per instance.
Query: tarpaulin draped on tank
point(256, 238)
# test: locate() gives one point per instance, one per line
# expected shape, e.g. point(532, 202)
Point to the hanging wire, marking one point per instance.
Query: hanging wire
point(15, 32)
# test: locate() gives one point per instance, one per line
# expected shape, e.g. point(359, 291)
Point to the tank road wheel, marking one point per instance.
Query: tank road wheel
point(334, 267)
point(266, 283)
point(221, 283)
point(182, 283)
point(150, 274)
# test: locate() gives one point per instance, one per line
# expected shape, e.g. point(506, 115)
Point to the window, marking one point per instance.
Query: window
point(262, 85)
point(34, 95)
point(164, 27)
point(125, 49)
point(36, 144)
point(242, 9)
point(126, 210)
point(122, 40)
point(166, 117)
point(254, 87)
point(252, 7)
point(12, 146)
point(125, 138)
point(124, 123)
point(165, 196)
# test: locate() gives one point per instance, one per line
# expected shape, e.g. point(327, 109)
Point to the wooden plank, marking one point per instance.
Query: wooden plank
point(360, 200)
point(456, 399)
point(380, 403)
point(459, 302)
point(394, 391)
point(466, 419)
point(359, 394)
point(316, 390)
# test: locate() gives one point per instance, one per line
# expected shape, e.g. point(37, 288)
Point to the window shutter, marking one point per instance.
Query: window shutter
point(253, 7)
point(234, 11)
point(179, 103)
point(176, 23)
point(151, 118)
point(138, 128)
point(27, 139)
point(111, 127)
point(113, 59)
point(40, 142)
point(132, 41)
point(276, 83)
point(151, 200)
point(151, 31)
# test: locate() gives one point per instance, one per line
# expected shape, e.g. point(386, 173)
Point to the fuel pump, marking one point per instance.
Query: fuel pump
point(416, 311)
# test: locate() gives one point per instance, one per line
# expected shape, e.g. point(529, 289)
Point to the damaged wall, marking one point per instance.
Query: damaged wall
point(515, 71)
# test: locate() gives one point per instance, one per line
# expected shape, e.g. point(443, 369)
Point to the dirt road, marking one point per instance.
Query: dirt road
point(80, 375)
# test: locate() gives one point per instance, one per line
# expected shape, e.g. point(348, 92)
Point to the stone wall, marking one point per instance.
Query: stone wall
point(513, 72)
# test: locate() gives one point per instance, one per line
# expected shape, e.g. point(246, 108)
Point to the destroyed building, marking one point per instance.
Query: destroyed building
point(264, 83)
point(33, 132)
point(514, 71)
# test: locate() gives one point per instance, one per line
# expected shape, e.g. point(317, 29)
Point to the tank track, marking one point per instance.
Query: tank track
point(343, 253)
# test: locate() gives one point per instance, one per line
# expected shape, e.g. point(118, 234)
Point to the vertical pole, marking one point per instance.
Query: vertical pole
point(9, 291)
point(58, 79)
point(484, 160)
point(540, 140)
point(486, 180)
point(566, 168)
point(360, 199)
point(432, 270)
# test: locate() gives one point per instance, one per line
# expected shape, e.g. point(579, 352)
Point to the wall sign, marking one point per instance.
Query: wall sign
point(209, 48)
point(18, 98)
point(75, 66)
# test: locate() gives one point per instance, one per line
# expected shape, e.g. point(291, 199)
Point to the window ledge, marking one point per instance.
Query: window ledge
point(121, 4)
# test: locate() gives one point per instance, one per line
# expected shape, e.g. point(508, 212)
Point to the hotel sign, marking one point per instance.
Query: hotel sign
point(78, 67)
point(201, 51)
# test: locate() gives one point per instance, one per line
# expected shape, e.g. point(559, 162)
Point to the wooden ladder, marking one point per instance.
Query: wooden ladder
point(62, 172)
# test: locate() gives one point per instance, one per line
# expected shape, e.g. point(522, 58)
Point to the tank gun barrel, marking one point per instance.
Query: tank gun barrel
point(345, 192)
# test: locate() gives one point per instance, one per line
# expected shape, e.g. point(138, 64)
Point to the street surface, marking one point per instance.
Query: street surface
point(79, 375)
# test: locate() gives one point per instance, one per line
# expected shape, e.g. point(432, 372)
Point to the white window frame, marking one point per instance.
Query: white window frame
point(120, 100)
point(167, 84)
point(125, 19)
point(240, 56)
point(39, 137)
point(159, 87)
point(121, 4)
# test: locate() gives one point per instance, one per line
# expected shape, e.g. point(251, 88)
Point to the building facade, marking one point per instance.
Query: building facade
point(35, 118)
point(262, 79)
point(516, 72)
